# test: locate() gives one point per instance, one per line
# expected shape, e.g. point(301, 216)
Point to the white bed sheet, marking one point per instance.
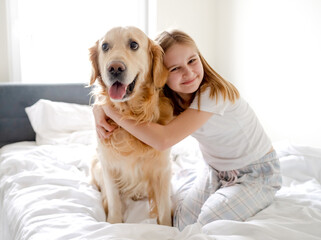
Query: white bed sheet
point(45, 194)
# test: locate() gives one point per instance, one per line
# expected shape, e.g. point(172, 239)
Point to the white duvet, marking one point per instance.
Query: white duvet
point(45, 193)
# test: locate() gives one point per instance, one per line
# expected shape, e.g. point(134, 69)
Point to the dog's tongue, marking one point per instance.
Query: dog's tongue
point(117, 91)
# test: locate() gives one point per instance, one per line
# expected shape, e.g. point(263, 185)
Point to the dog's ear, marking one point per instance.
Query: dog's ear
point(159, 72)
point(93, 56)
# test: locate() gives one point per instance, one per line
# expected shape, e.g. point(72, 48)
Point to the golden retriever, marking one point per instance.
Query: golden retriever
point(129, 72)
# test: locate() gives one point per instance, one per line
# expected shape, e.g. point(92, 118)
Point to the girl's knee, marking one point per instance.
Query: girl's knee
point(236, 203)
point(220, 210)
point(218, 207)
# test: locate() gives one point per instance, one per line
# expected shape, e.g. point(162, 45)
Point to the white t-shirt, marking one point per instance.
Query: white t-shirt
point(233, 137)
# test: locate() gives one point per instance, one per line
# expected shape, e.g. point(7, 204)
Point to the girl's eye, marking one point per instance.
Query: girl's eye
point(173, 69)
point(192, 60)
point(105, 47)
point(134, 45)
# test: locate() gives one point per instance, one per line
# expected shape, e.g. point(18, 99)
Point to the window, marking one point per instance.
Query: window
point(50, 38)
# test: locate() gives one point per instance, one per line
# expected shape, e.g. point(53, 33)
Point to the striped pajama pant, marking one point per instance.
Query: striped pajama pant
point(229, 195)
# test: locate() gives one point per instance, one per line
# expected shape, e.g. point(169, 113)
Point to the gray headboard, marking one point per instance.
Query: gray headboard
point(14, 123)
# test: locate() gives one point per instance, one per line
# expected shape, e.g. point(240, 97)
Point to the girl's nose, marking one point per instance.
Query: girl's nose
point(188, 72)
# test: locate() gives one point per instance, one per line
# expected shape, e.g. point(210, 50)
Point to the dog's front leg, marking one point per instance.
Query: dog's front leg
point(113, 198)
point(162, 199)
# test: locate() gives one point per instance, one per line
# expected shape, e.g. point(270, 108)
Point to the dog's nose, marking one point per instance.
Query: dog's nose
point(116, 68)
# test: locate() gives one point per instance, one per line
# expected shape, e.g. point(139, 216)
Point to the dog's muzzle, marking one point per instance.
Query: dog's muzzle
point(119, 91)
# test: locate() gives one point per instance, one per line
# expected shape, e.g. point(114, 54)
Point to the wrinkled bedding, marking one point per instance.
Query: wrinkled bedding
point(45, 190)
point(45, 193)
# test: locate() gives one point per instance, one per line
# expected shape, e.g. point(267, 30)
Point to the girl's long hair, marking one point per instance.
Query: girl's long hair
point(211, 79)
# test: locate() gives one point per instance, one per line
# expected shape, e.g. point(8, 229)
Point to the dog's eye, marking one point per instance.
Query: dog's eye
point(134, 45)
point(105, 47)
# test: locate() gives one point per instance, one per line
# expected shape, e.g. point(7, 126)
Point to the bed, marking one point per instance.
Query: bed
point(47, 139)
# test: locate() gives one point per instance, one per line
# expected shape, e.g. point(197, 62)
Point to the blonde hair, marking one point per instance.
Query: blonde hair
point(211, 79)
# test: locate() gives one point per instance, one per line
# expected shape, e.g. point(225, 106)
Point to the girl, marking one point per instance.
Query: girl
point(242, 173)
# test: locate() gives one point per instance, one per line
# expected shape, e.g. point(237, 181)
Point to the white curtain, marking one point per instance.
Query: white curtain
point(49, 39)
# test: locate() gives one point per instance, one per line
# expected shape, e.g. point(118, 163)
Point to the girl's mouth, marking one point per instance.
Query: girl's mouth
point(188, 82)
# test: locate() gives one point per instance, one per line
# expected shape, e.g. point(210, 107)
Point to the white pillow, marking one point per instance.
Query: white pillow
point(61, 123)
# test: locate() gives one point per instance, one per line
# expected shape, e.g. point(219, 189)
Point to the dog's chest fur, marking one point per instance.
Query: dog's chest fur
point(132, 165)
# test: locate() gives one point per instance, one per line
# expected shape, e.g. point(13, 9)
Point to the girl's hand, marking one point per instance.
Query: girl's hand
point(103, 128)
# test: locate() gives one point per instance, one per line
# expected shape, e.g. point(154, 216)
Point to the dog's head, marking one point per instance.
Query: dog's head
point(124, 60)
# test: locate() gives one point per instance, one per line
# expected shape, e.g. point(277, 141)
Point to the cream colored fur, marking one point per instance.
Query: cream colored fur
point(126, 167)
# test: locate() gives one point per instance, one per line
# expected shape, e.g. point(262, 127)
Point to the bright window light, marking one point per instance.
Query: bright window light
point(54, 35)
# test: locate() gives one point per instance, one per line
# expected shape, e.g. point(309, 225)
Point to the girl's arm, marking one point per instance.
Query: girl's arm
point(159, 136)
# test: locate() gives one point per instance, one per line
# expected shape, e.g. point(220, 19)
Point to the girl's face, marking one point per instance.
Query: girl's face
point(185, 69)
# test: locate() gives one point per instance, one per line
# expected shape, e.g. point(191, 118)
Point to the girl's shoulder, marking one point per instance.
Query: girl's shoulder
point(214, 104)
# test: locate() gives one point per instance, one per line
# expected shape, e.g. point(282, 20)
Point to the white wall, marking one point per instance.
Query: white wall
point(270, 49)
point(195, 17)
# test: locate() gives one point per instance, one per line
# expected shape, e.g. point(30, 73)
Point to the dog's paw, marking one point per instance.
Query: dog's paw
point(114, 219)
point(166, 222)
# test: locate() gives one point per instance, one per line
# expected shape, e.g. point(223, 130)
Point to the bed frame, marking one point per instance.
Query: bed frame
point(14, 123)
